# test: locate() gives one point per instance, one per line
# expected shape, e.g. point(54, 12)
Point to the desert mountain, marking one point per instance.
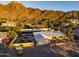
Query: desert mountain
point(15, 11)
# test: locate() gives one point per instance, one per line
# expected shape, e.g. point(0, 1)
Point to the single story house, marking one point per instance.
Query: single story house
point(40, 37)
point(47, 36)
point(9, 23)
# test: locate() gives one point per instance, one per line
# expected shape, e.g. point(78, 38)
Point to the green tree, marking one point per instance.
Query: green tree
point(16, 29)
point(11, 34)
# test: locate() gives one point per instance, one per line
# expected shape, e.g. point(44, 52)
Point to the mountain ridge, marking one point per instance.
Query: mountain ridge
point(15, 11)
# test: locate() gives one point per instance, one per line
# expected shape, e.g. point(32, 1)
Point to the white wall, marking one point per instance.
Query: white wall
point(42, 42)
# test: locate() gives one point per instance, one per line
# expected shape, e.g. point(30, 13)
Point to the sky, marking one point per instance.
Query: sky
point(50, 5)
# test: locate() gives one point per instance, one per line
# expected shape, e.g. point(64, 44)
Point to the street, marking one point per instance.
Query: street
point(47, 51)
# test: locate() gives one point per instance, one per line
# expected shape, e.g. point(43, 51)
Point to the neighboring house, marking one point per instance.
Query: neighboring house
point(69, 21)
point(74, 21)
point(9, 23)
point(46, 37)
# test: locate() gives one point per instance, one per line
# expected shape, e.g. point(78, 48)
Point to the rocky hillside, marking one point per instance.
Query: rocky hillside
point(15, 11)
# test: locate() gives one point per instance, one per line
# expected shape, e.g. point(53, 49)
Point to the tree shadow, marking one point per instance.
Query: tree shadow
point(72, 53)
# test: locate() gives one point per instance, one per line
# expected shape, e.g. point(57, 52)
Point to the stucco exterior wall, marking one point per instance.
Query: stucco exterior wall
point(42, 42)
point(12, 24)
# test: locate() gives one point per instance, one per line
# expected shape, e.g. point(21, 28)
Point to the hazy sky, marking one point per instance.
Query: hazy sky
point(51, 5)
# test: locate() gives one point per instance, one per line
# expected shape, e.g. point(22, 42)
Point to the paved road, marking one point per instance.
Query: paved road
point(40, 51)
point(47, 51)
